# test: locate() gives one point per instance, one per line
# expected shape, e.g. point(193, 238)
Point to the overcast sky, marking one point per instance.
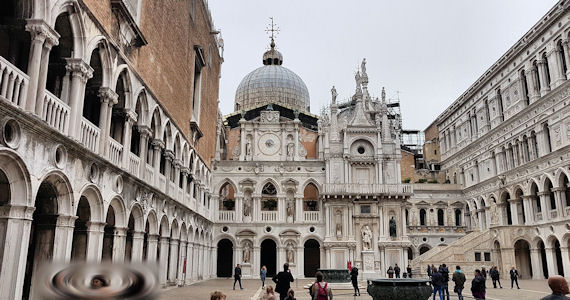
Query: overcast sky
point(428, 51)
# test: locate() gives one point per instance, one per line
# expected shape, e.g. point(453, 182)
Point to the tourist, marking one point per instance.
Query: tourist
point(217, 296)
point(478, 286)
point(445, 286)
point(459, 279)
point(397, 271)
point(484, 273)
point(237, 276)
point(514, 277)
point(321, 289)
point(429, 271)
point(433, 269)
point(354, 279)
point(290, 295)
point(437, 283)
point(263, 275)
point(559, 288)
point(390, 272)
point(98, 282)
point(495, 276)
point(283, 281)
point(409, 270)
point(269, 294)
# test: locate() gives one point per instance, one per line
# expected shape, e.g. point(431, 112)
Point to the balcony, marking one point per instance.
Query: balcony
point(367, 189)
point(115, 152)
point(55, 112)
point(148, 173)
point(13, 83)
point(90, 135)
point(134, 164)
point(311, 216)
point(226, 216)
point(269, 216)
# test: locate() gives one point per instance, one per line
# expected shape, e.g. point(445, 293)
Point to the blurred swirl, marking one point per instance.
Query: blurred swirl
point(98, 281)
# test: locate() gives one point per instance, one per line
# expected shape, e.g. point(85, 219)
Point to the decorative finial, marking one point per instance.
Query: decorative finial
point(273, 30)
point(363, 67)
point(334, 94)
point(242, 114)
point(383, 95)
point(296, 113)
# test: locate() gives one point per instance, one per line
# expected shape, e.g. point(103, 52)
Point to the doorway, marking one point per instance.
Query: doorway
point(225, 258)
point(312, 257)
point(269, 256)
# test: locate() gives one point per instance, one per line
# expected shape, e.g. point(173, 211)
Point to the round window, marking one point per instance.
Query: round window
point(312, 229)
point(424, 239)
point(442, 239)
point(225, 229)
point(11, 134)
point(268, 229)
point(361, 150)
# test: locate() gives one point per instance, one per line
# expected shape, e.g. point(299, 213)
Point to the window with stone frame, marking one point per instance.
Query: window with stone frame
point(311, 198)
point(269, 197)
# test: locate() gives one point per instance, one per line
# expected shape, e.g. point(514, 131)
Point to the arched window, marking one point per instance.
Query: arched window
point(310, 198)
point(457, 217)
point(407, 219)
point(548, 189)
point(57, 82)
point(92, 103)
point(118, 115)
point(561, 54)
point(547, 144)
point(269, 199)
point(547, 69)
point(440, 217)
point(524, 87)
point(537, 79)
point(422, 217)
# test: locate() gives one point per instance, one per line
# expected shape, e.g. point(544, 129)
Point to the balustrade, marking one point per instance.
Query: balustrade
point(311, 216)
point(55, 112)
point(115, 151)
point(13, 83)
point(269, 216)
point(90, 135)
point(356, 188)
point(148, 173)
point(226, 215)
point(134, 163)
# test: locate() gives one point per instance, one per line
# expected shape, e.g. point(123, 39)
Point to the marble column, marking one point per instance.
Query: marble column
point(144, 133)
point(42, 75)
point(168, 164)
point(528, 210)
point(119, 242)
point(157, 145)
point(559, 197)
point(534, 87)
point(81, 72)
point(189, 262)
point(95, 232)
point(151, 249)
point(163, 261)
point(514, 211)
point(551, 261)
point(108, 98)
point(544, 87)
point(536, 263)
point(180, 278)
point(173, 263)
point(543, 205)
point(130, 118)
point(565, 261)
point(566, 57)
point(138, 245)
point(63, 238)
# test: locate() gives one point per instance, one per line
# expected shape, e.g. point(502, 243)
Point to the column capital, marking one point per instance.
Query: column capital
point(40, 30)
point(66, 221)
point(185, 170)
point(144, 130)
point(177, 163)
point(169, 155)
point(17, 212)
point(542, 194)
point(78, 67)
point(156, 143)
point(107, 95)
point(96, 226)
point(131, 116)
point(153, 237)
point(121, 231)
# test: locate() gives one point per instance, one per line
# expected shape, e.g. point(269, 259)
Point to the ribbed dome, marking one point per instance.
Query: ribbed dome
point(272, 83)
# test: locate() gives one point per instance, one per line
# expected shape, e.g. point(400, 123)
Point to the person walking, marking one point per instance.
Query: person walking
point(445, 286)
point(321, 289)
point(409, 270)
point(559, 288)
point(437, 283)
point(283, 281)
point(237, 276)
point(390, 272)
point(495, 276)
point(354, 279)
point(514, 277)
point(484, 273)
point(429, 271)
point(478, 286)
point(459, 279)
point(397, 271)
point(263, 275)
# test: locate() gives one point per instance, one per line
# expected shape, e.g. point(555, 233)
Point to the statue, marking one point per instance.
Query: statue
point(246, 253)
point(247, 207)
point(494, 213)
point(290, 149)
point(338, 230)
point(383, 95)
point(248, 149)
point(334, 94)
point(363, 66)
point(392, 227)
point(413, 220)
point(290, 208)
point(366, 238)
point(475, 221)
point(290, 254)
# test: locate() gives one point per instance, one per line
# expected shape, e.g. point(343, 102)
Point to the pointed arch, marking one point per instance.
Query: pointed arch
point(95, 200)
point(18, 179)
point(164, 229)
point(64, 190)
point(77, 25)
point(136, 212)
point(152, 222)
point(117, 203)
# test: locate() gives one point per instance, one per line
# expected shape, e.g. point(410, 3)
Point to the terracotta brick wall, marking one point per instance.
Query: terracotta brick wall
point(166, 63)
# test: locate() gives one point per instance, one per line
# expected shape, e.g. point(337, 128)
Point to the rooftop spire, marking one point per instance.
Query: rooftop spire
point(273, 30)
point(272, 56)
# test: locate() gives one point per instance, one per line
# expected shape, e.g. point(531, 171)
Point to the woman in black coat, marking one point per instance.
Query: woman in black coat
point(354, 279)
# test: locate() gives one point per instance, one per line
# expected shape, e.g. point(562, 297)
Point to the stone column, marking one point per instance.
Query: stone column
point(130, 119)
point(173, 263)
point(138, 245)
point(551, 261)
point(108, 98)
point(15, 223)
point(189, 262)
point(514, 211)
point(561, 75)
point(566, 55)
point(559, 196)
point(42, 75)
point(81, 72)
point(157, 145)
point(180, 278)
point(95, 232)
point(544, 88)
point(565, 261)
point(528, 209)
point(144, 133)
point(327, 217)
point(163, 261)
point(299, 215)
point(536, 263)
point(151, 249)
point(543, 205)
point(195, 262)
point(63, 238)
point(119, 242)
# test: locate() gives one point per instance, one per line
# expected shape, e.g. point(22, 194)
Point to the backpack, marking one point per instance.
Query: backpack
point(322, 293)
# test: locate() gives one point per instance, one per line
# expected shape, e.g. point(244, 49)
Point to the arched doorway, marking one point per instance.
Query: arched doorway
point(42, 234)
point(497, 252)
point(558, 258)
point(129, 238)
point(543, 258)
point(312, 254)
point(424, 249)
point(269, 256)
point(410, 254)
point(79, 244)
point(225, 258)
point(109, 236)
point(522, 259)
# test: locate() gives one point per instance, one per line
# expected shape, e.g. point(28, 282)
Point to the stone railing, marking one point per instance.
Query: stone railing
point(311, 216)
point(148, 173)
point(161, 182)
point(115, 151)
point(90, 135)
point(13, 83)
point(226, 215)
point(55, 112)
point(367, 189)
point(134, 163)
point(268, 216)
point(538, 217)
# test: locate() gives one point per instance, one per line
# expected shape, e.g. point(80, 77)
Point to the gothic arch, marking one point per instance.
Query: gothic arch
point(183, 232)
point(221, 184)
point(77, 25)
point(550, 240)
point(544, 180)
point(559, 175)
point(536, 241)
point(152, 222)
point(314, 182)
point(164, 229)
point(64, 190)
point(174, 232)
point(102, 44)
point(167, 133)
point(137, 212)
point(120, 212)
point(141, 101)
point(18, 178)
point(156, 120)
point(266, 181)
point(95, 200)
point(269, 237)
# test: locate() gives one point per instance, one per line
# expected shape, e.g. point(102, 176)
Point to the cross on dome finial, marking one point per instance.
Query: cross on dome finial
point(273, 30)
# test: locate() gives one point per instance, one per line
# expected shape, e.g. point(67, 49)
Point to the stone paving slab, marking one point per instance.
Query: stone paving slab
point(530, 290)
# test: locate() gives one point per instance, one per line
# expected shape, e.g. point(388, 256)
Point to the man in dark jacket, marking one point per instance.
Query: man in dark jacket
point(409, 270)
point(283, 281)
point(514, 277)
point(237, 276)
point(437, 283)
point(397, 271)
point(478, 286)
point(445, 287)
point(495, 276)
point(459, 279)
point(559, 288)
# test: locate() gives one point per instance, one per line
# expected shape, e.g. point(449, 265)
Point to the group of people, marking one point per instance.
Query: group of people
point(396, 272)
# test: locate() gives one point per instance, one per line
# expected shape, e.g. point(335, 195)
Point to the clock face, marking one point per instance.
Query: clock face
point(269, 144)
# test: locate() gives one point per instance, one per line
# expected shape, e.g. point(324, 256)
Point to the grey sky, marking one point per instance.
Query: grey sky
point(429, 51)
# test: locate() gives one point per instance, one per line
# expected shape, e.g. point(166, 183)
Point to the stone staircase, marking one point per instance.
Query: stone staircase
point(460, 252)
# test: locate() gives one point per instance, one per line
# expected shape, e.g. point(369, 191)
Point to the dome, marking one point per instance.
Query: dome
point(272, 83)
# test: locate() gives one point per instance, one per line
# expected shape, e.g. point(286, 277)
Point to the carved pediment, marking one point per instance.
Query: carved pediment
point(246, 233)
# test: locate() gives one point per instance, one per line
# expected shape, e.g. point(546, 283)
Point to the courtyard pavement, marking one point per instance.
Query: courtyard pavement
point(530, 290)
